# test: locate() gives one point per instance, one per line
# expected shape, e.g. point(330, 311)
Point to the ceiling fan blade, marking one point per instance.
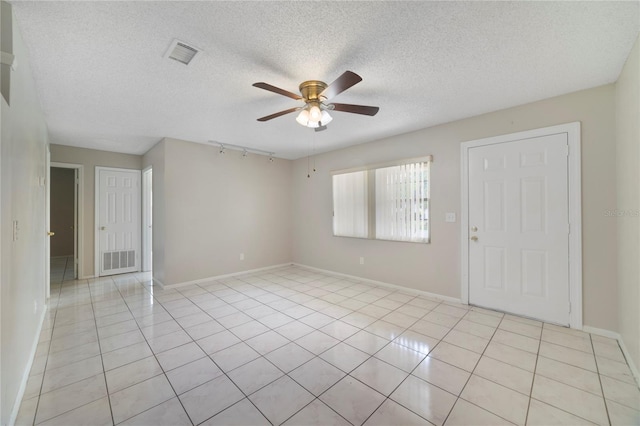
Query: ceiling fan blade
point(342, 83)
point(277, 90)
point(278, 114)
point(356, 109)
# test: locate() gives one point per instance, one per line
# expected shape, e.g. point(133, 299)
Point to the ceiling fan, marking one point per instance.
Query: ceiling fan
point(315, 95)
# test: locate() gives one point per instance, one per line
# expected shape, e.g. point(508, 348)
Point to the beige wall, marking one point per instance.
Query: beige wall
point(90, 158)
point(62, 183)
point(628, 186)
point(22, 262)
point(217, 206)
point(435, 267)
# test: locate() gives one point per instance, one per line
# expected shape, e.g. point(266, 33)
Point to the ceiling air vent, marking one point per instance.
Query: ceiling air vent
point(181, 52)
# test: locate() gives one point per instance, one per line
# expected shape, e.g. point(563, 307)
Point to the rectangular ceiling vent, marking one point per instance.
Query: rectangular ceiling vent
point(181, 52)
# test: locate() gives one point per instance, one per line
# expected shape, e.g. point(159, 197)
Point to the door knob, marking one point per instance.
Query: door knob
point(103, 228)
point(474, 238)
point(51, 234)
point(474, 229)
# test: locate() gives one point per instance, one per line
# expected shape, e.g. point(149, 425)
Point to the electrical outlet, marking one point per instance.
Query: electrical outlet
point(241, 256)
point(450, 217)
point(361, 260)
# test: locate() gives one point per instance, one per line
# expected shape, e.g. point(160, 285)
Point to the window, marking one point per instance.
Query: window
point(384, 202)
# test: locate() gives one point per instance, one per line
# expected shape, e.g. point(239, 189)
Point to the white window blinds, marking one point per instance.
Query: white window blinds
point(350, 205)
point(387, 201)
point(402, 202)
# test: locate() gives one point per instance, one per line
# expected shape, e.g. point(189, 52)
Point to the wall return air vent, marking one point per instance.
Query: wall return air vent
point(181, 52)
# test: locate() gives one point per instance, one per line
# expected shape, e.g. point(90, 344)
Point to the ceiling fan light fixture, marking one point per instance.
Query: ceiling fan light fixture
point(315, 114)
point(303, 117)
point(326, 118)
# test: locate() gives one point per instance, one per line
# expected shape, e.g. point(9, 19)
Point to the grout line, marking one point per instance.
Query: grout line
point(604, 399)
point(533, 378)
point(104, 372)
point(44, 370)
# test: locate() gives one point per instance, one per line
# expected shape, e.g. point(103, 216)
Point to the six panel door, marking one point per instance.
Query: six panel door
point(119, 221)
point(519, 228)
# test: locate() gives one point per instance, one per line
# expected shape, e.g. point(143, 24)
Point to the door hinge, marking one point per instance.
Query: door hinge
point(568, 228)
point(567, 150)
point(569, 307)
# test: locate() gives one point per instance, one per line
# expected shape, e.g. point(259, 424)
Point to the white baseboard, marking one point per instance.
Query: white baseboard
point(613, 335)
point(87, 277)
point(27, 370)
point(219, 277)
point(601, 332)
point(383, 284)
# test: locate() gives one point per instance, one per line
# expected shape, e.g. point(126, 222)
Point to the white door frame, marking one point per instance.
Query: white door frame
point(575, 210)
point(78, 234)
point(147, 211)
point(96, 223)
point(47, 225)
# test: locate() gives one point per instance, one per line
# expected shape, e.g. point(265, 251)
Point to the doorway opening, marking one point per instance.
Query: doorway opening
point(65, 217)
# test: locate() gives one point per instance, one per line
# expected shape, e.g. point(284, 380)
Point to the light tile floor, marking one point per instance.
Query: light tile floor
point(61, 268)
point(295, 346)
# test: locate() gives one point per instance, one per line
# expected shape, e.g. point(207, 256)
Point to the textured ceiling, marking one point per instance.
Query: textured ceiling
point(104, 83)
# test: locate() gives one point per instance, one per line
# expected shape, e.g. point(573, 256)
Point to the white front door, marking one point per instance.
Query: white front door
point(118, 220)
point(519, 227)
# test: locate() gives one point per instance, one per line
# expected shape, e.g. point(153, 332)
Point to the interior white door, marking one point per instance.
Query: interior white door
point(519, 227)
point(47, 225)
point(118, 220)
point(147, 220)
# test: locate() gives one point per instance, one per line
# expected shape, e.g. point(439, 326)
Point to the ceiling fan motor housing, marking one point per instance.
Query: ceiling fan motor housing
point(311, 89)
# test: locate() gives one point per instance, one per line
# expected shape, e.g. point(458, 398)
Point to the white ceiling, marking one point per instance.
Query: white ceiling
point(104, 83)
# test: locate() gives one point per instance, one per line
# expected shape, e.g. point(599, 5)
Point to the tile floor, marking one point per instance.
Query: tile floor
point(294, 346)
point(61, 269)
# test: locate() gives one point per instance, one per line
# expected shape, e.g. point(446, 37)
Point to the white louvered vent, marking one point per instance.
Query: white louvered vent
point(181, 52)
point(118, 259)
